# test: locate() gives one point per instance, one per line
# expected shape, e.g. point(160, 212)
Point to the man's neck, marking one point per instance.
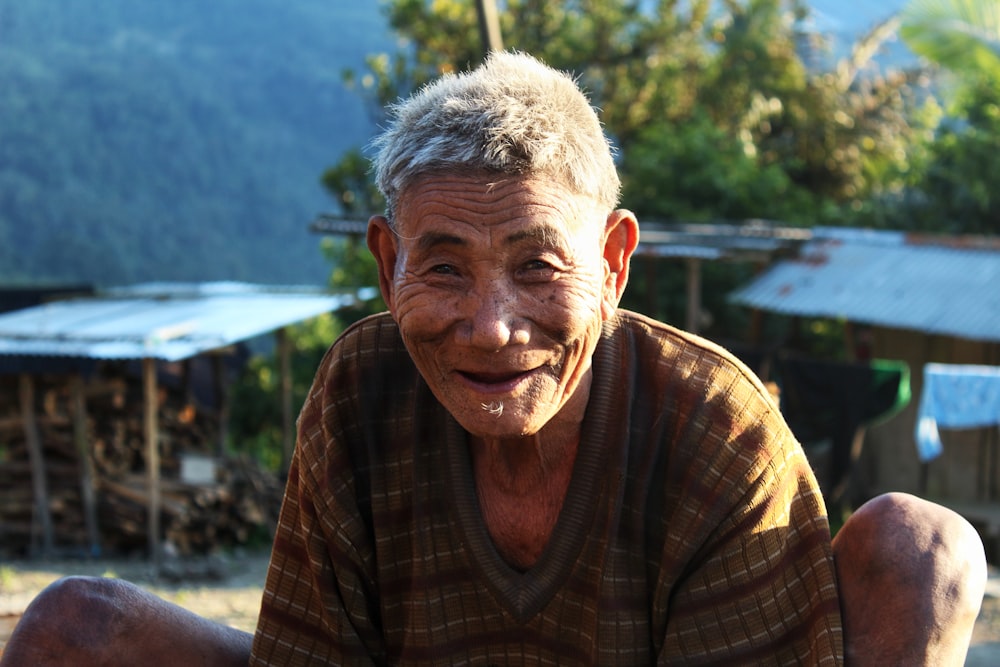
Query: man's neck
point(521, 466)
point(521, 489)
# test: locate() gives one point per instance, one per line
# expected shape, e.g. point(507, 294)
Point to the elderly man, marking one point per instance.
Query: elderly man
point(506, 468)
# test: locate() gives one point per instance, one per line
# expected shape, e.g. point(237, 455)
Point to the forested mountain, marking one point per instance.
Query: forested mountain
point(179, 140)
point(185, 140)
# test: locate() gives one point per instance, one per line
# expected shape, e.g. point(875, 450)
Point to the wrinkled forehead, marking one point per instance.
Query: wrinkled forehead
point(531, 206)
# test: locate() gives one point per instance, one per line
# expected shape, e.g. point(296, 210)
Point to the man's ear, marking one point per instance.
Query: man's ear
point(382, 244)
point(621, 236)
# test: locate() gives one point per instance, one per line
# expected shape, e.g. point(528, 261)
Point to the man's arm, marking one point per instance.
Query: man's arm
point(316, 607)
point(320, 601)
point(761, 585)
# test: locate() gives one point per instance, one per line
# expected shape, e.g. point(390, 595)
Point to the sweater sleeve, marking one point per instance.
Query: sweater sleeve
point(748, 536)
point(761, 589)
point(320, 605)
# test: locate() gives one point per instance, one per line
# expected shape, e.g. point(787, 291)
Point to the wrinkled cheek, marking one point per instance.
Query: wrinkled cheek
point(576, 365)
point(405, 310)
point(420, 320)
point(423, 349)
point(427, 355)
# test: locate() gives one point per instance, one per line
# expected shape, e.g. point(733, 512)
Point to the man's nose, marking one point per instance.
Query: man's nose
point(494, 322)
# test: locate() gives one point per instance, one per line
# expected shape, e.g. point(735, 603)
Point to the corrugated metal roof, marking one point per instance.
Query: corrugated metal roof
point(163, 320)
point(939, 285)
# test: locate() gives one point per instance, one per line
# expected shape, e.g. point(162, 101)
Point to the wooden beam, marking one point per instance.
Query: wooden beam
point(40, 488)
point(151, 428)
point(87, 487)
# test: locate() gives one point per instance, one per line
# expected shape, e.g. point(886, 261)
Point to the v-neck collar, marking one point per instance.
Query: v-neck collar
point(523, 594)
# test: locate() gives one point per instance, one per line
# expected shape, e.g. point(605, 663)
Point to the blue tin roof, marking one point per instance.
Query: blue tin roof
point(166, 321)
point(939, 285)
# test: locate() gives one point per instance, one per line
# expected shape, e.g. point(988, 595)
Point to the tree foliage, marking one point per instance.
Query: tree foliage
point(957, 191)
point(960, 35)
point(256, 418)
point(714, 105)
point(718, 89)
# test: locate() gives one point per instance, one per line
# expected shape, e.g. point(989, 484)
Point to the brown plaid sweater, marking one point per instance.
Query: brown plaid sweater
point(692, 533)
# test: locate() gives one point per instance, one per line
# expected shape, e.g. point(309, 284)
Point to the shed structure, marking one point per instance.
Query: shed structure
point(921, 299)
point(146, 324)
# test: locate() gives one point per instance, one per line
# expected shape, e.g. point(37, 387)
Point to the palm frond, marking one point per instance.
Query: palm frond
point(960, 35)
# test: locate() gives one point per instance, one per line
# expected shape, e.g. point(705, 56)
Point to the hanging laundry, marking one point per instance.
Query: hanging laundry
point(955, 396)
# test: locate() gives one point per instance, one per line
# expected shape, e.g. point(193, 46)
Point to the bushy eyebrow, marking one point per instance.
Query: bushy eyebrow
point(431, 240)
point(542, 234)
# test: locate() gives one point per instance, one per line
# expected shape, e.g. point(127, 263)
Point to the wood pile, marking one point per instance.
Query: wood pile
point(237, 505)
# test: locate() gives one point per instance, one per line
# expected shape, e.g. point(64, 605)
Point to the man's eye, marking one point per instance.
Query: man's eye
point(538, 265)
point(444, 270)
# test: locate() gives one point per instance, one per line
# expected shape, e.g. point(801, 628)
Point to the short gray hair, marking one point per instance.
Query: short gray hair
point(511, 115)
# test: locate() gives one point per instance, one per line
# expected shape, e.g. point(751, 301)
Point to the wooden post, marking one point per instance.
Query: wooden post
point(693, 294)
point(651, 288)
point(287, 418)
point(222, 393)
point(850, 342)
point(39, 484)
point(186, 381)
point(87, 491)
point(489, 26)
point(756, 332)
point(151, 427)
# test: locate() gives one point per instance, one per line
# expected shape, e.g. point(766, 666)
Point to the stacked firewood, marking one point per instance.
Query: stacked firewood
point(236, 504)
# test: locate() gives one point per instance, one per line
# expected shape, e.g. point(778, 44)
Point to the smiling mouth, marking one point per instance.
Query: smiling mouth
point(494, 379)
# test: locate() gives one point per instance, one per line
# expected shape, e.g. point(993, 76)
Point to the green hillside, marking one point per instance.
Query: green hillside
point(181, 140)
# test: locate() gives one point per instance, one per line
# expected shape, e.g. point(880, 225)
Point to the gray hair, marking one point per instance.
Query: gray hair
point(511, 115)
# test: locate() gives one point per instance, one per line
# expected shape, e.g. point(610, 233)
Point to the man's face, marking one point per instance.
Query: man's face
point(499, 287)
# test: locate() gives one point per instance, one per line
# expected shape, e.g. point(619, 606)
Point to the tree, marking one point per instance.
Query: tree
point(841, 135)
point(960, 35)
point(712, 105)
point(957, 192)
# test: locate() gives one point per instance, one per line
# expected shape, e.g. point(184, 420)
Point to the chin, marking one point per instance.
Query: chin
point(482, 424)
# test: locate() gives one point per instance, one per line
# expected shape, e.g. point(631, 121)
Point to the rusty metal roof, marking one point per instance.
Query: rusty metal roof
point(167, 321)
point(935, 284)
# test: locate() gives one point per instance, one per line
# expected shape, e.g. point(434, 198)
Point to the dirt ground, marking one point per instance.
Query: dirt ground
point(228, 590)
point(985, 648)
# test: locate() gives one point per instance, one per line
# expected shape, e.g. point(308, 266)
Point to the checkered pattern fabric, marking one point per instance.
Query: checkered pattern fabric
point(693, 531)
